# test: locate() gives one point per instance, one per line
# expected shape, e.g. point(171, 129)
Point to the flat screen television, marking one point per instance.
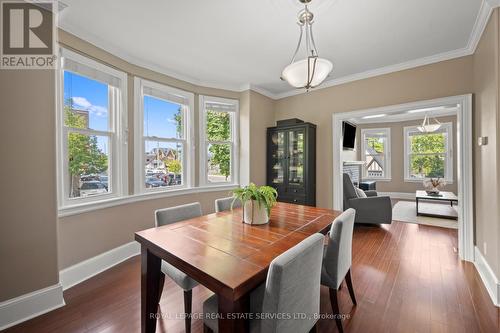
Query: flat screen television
point(348, 135)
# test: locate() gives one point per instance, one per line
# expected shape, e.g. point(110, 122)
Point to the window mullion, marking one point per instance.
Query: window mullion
point(155, 138)
point(90, 132)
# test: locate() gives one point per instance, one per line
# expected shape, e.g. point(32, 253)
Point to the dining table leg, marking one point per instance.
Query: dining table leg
point(232, 314)
point(150, 285)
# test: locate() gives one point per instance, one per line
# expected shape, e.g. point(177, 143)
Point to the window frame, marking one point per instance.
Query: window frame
point(204, 142)
point(139, 138)
point(117, 133)
point(448, 171)
point(387, 153)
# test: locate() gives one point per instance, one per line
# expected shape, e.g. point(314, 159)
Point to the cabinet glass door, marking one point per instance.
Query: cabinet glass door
point(278, 157)
point(296, 157)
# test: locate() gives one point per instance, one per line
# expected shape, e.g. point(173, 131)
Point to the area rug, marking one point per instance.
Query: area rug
point(406, 211)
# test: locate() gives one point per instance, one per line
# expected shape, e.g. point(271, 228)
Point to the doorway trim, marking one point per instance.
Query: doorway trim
point(464, 160)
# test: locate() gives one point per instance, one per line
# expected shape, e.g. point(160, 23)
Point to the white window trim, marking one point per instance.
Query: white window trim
point(114, 202)
point(189, 150)
point(235, 139)
point(449, 156)
point(118, 154)
point(388, 156)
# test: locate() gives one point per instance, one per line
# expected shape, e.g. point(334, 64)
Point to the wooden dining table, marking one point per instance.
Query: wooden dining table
point(227, 256)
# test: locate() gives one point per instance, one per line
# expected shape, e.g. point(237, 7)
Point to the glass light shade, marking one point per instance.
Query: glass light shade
point(296, 73)
point(429, 128)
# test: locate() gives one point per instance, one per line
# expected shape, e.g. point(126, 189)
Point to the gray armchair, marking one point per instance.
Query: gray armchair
point(370, 209)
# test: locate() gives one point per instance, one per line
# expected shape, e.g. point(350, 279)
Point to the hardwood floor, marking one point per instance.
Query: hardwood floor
point(407, 278)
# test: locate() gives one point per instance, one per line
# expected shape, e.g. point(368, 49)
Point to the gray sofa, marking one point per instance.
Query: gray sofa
point(370, 209)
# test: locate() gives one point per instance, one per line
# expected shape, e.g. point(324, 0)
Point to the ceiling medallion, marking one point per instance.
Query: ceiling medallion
point(312, 71)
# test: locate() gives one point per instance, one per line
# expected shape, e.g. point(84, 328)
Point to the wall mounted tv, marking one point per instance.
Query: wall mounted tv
point(348, 136)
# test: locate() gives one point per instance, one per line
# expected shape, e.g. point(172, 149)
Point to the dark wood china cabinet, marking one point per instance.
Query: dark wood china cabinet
point(291, 161)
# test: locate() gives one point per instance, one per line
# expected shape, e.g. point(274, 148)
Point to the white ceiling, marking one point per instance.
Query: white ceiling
point(236, 43)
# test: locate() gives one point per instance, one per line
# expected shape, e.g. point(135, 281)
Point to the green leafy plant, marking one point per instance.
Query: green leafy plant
point(263, 195)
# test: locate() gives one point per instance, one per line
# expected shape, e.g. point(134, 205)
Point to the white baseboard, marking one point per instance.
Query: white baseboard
point(86, 269)
point(36, 303)
point(489, 278)
point(398, 195)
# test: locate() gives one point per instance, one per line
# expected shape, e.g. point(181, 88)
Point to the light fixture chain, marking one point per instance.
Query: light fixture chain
point(298, 44)
point(317, 68)
point(312, 40)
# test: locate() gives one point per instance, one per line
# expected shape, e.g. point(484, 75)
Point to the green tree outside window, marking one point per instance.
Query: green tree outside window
point(219, 129)
point(428, 155)
point(84, 155)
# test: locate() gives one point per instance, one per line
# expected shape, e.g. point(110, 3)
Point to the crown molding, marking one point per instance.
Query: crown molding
point(261, 91)
point(383, 70)
point(493, 3)
point(487, 7)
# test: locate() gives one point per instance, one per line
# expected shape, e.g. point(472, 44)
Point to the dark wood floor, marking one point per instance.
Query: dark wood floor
point(407, 278)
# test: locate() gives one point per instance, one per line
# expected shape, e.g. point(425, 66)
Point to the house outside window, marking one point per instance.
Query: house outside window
point(219, 133)
point(376, 153)
point(163, 137)
point(91, 131)
point(428, 155)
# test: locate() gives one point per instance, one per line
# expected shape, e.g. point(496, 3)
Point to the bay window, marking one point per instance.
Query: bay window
point(91, 131)
point(218, 140)
point(163, 137)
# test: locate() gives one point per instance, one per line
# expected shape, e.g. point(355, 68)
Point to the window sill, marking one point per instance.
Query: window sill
point(112, 202)
point(376, 179)
point(448, 182)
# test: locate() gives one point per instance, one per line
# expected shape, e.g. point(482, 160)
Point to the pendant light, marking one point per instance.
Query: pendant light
point(311, 71)
point(427, 126)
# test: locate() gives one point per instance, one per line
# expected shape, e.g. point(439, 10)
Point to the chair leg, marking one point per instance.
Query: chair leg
point(348, 280)
point(188, 298)
point(162, 283)
point(336, 310)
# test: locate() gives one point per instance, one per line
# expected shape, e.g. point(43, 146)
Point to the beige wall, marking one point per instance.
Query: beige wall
point(397, 183)
point(448, 78)
point(262, 112)
point(86, 235)
point(486, 123)
point(28, 234)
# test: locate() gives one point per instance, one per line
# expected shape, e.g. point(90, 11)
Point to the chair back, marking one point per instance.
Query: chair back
point(293, 287)
point(349, 190)
point(224, 204)
point(338, 253)
point(178, 213)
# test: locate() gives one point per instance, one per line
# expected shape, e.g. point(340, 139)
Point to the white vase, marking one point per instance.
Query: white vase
point(253, 213)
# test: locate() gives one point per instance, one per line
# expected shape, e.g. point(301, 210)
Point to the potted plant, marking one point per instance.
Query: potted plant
point(434, 185)
point(257, 202)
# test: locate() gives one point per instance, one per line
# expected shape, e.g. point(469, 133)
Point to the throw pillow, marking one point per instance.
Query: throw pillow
point(360, 193)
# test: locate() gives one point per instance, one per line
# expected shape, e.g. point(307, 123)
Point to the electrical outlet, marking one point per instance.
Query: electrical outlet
point(485, 248)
